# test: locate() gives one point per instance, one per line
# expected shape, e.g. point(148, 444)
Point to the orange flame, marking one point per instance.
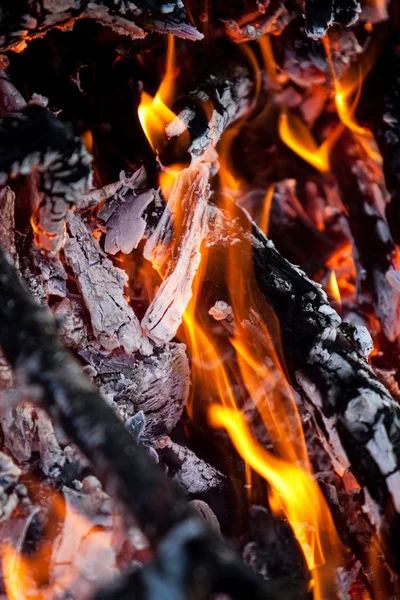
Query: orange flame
point(264, 222)
point(296, 135)
point(27, 577)
point(333, 288)
point(154, 114)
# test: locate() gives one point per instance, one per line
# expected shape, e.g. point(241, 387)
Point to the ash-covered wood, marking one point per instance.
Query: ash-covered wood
point(34, 139)
point(30, 342)
point(102, 286)
point(9, 477)
point(158, 385)
point(23, 21)
point(357, 419)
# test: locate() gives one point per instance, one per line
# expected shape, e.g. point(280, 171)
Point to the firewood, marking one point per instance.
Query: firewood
point(321, 14)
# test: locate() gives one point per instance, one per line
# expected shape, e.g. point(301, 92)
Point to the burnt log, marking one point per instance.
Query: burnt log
point(321, 14)
point(30, 342)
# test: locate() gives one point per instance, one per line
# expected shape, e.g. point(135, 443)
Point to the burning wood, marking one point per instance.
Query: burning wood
point(212, 389)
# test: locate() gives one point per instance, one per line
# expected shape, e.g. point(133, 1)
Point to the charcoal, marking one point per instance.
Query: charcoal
point(9, 477)
point(321, 14)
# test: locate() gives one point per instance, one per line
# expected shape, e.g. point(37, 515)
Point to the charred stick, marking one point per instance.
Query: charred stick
point(29, 339)
point(357, 419)
point(206, 111)
point(365, 195)
point(34, 139)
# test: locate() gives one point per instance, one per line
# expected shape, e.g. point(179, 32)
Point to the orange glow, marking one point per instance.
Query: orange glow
point(154, 114)
point(342, 264)
point(268, 59)
point(27, 577)
point(264, 222)
point(333, 288)
point(296, 135)
point(87, 139)
point(293, 490)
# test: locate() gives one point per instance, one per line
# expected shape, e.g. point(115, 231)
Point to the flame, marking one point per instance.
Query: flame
point(87, 139)
point(268, 59)
point(341, 263)
point(154, 114)
point(296, 135)
point(292, 490)
point(264, 222)
point(333, 288)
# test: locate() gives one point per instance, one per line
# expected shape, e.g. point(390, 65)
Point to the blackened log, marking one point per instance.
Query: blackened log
point(30, 342)
point(357, 419)
point(365, 196)
point(34, 139)
point(23, 21)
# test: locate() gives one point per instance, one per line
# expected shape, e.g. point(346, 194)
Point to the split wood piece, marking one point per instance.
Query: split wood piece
point(157, 385)
point(218, 100)
point(25, 20)
point(34, 139)
point(321, 14)
point(7, 222)
point(381, 105)
point(260, 19)
point(365, 194)
point(191, 472)
point(185, 220)
point(30, 342)
point(357, 419)
point(102, 286)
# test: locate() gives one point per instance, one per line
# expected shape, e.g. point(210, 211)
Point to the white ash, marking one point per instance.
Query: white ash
point(164, 315)
point(19, 430)
point(221, 310)
point(9, 477)
point(102, 286)
point(363, 338)
point(158, 385)
point(194, 474)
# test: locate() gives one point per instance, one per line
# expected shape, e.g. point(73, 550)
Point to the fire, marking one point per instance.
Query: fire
point(27, 576)
point(292, 490)
point(154, 114)
point(264, 221)
point(296, 135)
point(333, 288)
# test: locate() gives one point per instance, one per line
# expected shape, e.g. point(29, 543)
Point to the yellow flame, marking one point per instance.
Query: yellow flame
point(292, 487)
point(333, 287)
